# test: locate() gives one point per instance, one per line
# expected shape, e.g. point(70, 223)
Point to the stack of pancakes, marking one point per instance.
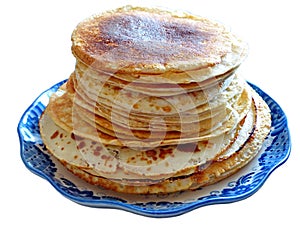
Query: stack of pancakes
point(155, 104)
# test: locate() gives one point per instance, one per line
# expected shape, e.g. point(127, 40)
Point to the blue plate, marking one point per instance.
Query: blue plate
point(247, 181)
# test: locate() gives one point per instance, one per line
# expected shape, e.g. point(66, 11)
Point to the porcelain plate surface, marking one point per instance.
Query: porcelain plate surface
point(247, 181)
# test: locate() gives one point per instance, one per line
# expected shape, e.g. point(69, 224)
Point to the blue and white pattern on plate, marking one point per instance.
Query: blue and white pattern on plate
point(247, 181)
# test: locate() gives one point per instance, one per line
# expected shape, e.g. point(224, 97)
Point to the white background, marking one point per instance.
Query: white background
point(35, 54)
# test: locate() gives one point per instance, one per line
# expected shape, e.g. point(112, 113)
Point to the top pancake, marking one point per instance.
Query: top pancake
point(149, 42)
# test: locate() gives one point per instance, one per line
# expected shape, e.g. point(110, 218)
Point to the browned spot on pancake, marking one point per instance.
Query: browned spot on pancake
point(136, 106)
point(97, 151)
point(54, 135)
point(166, 108)
point(145, 37)
point(104, 157)
point(151, 154)
point(164, 152)
point(76, 137)
point(81, 145)
point(116, 88)
point(131, 160)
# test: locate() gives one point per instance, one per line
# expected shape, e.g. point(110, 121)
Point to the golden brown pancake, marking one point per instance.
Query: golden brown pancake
point(155, 104)
point(156, 163)
point(217, 170)
point(133, 41)
point(69, 117)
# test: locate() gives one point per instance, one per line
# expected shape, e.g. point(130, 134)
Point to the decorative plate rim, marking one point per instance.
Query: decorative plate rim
point(280, 127)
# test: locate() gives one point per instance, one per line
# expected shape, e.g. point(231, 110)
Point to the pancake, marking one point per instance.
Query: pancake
point(154, 44)
point(62, 111)
point(155, 103)
point(217, 170)
point(151, 104)
point(130, 135)
point(240, 106)
point(88, 74)
point(126, 105)
point(147, 164)
point(142, 121)
point(107, 112)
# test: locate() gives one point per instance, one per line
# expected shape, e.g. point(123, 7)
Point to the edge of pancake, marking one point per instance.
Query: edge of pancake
point(215, 172)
